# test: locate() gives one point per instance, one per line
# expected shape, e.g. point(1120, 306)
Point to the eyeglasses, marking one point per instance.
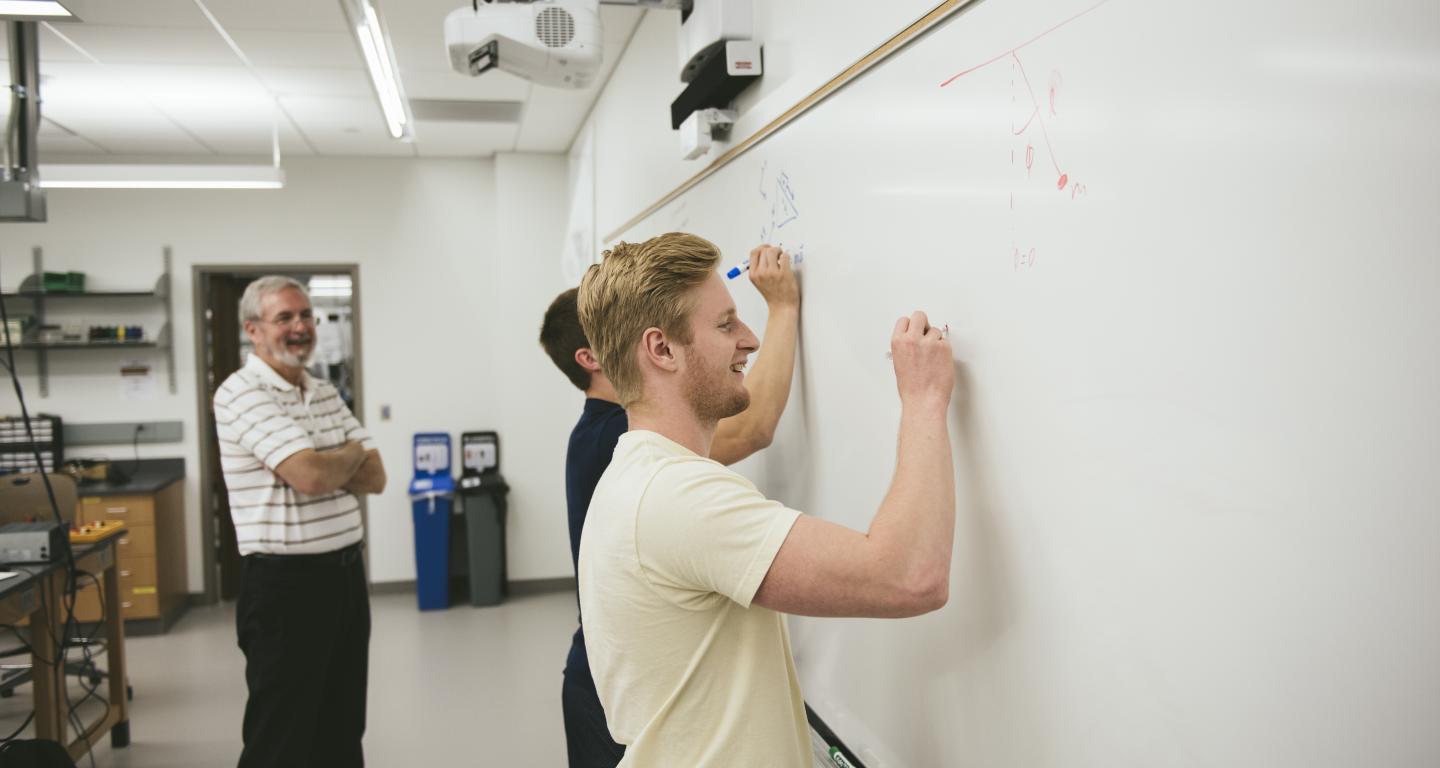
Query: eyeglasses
point(306, 318)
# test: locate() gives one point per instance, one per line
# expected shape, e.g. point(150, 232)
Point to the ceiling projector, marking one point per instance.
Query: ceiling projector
point(551, 42)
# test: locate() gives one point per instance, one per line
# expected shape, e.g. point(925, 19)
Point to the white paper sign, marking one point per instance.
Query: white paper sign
point(137, 381)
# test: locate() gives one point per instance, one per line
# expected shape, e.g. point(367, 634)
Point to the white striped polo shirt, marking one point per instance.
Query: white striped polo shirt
point(262, 420)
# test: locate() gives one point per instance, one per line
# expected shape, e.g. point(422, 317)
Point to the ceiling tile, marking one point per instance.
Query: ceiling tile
point(316, 81)
point(446, 84)
point(417, 32)
point(67, 144)
point(141, 13)
point(358, 111)
point(151, 45)
point(375, 143)
point(289, 15)
point(216, 90)
point(619, 22)
point(256, 133)
point(239, 143)
point(57, 139)
point(446, 139)
point(551, 121)
point(152, 136)
point(251, 141)
point(298, 48)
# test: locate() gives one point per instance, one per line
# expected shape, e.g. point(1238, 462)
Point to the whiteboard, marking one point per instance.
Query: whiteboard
point(1187, 254)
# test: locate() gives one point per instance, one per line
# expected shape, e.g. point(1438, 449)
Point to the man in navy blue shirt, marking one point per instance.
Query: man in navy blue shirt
point(603, 421)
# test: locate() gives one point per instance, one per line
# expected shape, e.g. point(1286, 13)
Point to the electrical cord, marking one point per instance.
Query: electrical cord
point(13, 736)
point(135, 444)
point(25, 645)
point(85, 671)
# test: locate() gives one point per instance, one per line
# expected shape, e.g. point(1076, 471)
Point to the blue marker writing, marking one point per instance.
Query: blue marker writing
point(744, 266)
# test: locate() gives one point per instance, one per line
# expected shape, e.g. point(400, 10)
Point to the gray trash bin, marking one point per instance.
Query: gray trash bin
point(482, 497)
point(483, 500)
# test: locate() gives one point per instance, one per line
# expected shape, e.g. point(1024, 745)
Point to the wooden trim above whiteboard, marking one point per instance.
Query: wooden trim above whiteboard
point(938, 14)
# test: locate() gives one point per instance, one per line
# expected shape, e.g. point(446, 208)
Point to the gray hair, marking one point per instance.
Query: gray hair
point(256, 292)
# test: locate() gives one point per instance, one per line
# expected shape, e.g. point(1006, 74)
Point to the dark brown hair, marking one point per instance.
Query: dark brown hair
point(561, 335)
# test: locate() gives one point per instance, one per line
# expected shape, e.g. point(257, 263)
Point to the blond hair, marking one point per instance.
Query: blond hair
point(636, 287)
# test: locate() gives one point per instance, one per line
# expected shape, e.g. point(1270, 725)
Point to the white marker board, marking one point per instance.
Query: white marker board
point(1187, 252)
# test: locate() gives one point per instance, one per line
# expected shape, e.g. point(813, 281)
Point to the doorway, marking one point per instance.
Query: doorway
point(221, 348)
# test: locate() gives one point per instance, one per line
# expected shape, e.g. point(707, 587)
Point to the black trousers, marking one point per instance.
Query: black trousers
point(587, 738)
point(304, 625)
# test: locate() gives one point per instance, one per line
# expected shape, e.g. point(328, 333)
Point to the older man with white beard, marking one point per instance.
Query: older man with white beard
point(295, 461)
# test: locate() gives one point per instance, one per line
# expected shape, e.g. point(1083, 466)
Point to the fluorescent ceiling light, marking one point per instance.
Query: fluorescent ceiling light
point(380, 63)
point(333, 287)
point(35, 10)
point(69, 176)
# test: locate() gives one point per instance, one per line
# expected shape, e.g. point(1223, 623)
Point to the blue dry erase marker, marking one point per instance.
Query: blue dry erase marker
point(744, 266)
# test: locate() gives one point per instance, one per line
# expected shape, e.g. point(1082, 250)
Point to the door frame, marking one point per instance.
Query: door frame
point(199, 275)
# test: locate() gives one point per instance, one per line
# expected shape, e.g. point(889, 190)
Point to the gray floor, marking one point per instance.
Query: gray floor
point(467, 686)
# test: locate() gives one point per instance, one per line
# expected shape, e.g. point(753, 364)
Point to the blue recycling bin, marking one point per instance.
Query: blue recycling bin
point(432, 494)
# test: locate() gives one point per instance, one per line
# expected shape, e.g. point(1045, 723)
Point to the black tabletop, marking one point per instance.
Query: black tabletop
point(146, 476)
point(19, 581)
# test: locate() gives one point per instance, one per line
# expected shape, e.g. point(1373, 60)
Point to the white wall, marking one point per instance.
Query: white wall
point(536, 406)
point(439, 291)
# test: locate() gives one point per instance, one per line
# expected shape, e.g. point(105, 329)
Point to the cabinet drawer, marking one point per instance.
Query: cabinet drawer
point(137, 541)
point(136, 572)
point(134, 510)
point(145, 605)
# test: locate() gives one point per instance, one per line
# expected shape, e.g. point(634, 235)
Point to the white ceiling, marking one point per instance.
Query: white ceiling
point(167, 84)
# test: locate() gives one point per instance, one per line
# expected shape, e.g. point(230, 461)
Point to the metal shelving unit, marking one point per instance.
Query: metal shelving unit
point(32, 289)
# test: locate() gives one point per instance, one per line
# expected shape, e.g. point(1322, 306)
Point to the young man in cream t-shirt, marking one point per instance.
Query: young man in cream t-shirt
point(686, 569)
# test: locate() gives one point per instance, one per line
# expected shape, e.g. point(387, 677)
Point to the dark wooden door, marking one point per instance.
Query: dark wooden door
point(222, 304)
